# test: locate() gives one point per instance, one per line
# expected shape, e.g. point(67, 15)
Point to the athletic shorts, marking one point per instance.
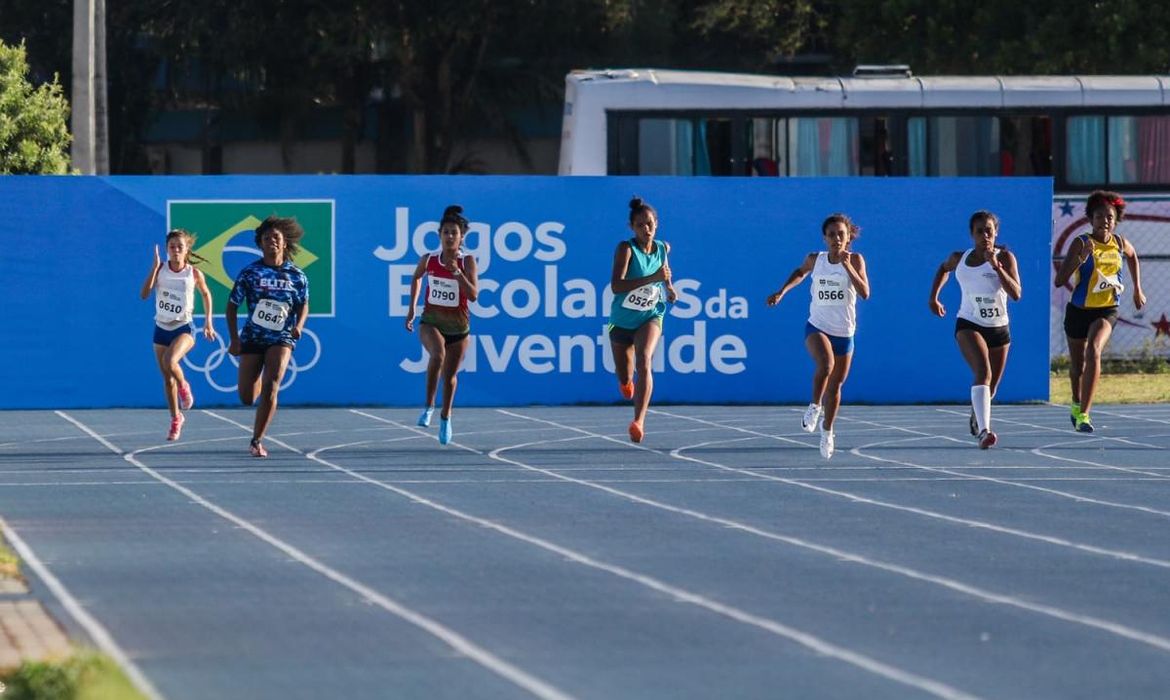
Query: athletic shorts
point(625, 336)
point(164, 337)
point(994, 336)
point(448, 338)
point(841, 344)
point(260, 348)
point(1077, 320)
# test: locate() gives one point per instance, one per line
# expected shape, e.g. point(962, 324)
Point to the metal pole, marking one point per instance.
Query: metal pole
point(82, 121)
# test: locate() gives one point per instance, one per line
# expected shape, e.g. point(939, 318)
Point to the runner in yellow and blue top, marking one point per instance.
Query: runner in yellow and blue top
point(839, 277)
point(277, 294)
point(1093, 265)
point(641, 286)
point(443, 330)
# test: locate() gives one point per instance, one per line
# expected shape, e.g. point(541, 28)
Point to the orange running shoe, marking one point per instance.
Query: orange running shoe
point(636, 432)
point(627, 389)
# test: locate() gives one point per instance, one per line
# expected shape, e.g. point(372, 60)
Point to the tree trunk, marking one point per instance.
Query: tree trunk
point(101, 105)
point(83, 93)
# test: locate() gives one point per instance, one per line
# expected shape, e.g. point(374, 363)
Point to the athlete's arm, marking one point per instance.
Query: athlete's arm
point(1135, 273)
point(668, 276)
point(468, 278)
point(148, 285)
point(854, 266)
point(415, 287)
point(233, 332)
point(941, 275)
point(201, 285)
point(794, 279)
point(621, 264)
point(302, 313)
point(1078, 253)
point(1004, 264)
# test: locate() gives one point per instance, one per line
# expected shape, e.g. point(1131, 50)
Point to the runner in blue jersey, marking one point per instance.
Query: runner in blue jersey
point(277, 294)
point(641, 287)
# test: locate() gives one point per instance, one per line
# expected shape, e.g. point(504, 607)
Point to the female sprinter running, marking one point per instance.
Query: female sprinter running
point(174, 285)
point(277, 293)
point(988, 275)
point(640, 280)
point(839, 277)
point(452, 282)
point(1093, 263)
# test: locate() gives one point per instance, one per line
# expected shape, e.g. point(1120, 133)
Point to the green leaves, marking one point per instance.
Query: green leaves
point(34, 137)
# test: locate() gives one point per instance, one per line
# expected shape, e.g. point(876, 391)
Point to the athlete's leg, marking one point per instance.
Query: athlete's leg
point(645, 342)
point(998, 357)
point(975, 352)
point(1076, 366)
point(821, 352)
point(1099, 333)
point(452, 358)
point(251, 366)
point(623, 360)
point(276, 359)
point(170, 390)
point(831, 399)
point(432, 342)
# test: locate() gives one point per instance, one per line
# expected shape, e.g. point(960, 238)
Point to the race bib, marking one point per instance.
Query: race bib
point(170, 305)
point(442, 291)
point(1107, 282)
point(644, 298)
point(987, 307)
point(828, 291)
point(270, 314)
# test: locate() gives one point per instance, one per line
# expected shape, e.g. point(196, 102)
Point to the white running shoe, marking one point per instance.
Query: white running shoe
point(812, 416)
point(827, 444)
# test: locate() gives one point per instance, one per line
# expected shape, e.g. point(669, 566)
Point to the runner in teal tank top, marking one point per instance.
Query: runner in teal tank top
point(641, 287)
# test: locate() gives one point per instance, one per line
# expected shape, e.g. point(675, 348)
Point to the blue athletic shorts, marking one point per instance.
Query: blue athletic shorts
point(842, 345)
point(165, 338)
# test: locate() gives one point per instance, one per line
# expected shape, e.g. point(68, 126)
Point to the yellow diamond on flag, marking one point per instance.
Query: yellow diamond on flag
point(212, 251)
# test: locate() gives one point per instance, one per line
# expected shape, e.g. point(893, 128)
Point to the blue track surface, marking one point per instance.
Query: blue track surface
point(544, 555)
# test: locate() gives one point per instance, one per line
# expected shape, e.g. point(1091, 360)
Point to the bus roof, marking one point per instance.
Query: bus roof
point(652, 88)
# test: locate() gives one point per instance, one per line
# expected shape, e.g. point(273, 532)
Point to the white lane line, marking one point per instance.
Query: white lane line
point(453, 639)
point(100, 636)
point(1158, 642)
point(856, 498)
point(681, 595)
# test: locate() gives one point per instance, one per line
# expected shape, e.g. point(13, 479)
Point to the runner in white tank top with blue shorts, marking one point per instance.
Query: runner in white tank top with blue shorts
point(174, 283)
point(838, 279)
point(988, 275)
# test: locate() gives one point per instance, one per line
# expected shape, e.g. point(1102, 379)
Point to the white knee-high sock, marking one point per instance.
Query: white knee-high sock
point(981, 402)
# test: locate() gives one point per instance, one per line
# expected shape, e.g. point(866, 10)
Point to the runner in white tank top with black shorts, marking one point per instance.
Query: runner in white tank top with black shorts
point(174, 283)
point(839, 278)
point(988, 275)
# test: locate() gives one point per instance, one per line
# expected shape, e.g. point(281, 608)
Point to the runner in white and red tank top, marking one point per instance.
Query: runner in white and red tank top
point(452, 282)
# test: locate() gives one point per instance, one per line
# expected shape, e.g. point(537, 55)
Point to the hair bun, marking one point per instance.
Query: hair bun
point(454, 209)
point(636, 203)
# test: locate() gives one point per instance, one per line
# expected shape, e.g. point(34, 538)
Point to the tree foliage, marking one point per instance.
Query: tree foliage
point(34, 135)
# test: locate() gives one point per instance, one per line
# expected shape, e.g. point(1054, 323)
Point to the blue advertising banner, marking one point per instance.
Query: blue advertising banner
point(77, 249)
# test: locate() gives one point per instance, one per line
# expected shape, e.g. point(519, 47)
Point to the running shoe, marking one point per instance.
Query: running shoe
point(445, 431)
point(827, 445)
point(812, 415)
point(635, 431)
point(1074, 413)
point(1084, 425)
point(627, 390)
point(257, 450)
point(176, 427)
point(987, 439)
point(973, 424)
point(424, 418)
point(186, 398)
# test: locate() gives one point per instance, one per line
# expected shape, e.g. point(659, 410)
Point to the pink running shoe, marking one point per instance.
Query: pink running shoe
point(186, 398)
point(257, 449)
point(176, 427)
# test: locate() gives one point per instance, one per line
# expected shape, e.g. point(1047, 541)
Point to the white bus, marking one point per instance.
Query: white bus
point(1086, 132)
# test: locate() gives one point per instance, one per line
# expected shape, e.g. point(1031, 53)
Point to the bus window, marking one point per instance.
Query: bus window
point(768, 146)
point(823, 146)
point(878, 144)
point(1139, 150)
point(954, 146)
point(1025, 145)
point(1085, 150)
point(677, 146)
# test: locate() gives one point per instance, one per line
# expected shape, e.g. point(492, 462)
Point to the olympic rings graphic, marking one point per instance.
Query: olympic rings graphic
point(215, 359)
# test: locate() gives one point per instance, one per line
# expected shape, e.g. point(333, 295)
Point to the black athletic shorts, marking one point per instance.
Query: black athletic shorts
point(994, 336)
point(1077, 319)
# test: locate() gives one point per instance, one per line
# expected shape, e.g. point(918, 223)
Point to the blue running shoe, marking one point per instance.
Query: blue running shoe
point(444, 431)
point(424, 418)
